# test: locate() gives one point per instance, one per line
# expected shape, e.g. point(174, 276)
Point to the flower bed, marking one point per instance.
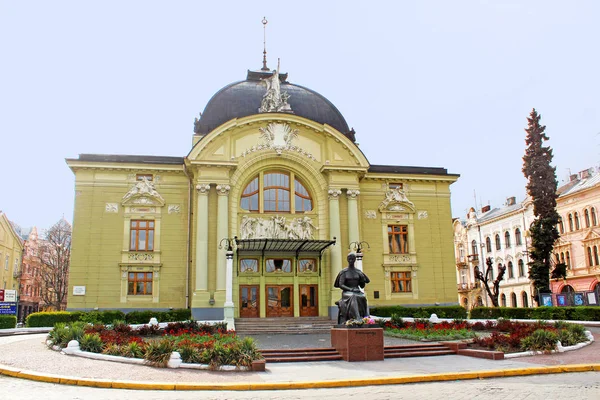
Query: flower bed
point(501, 335)
point(194, 343)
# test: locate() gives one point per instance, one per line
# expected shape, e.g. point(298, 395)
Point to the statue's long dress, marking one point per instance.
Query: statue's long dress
point(352, 305)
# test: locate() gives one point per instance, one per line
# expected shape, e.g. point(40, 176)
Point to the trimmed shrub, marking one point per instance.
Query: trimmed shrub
point(587, 313)
point(91, 342)
point(452, 312)
point(143, 317)
point(8, 321)
point(48, 319)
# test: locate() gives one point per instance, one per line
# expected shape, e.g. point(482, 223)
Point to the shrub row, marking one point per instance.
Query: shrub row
point(454, 312)
point(8, 321)
point(48, 319)
point(580, 313)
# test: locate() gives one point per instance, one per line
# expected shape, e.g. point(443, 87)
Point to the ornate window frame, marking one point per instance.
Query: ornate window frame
point(291, 189)
point(397, 209)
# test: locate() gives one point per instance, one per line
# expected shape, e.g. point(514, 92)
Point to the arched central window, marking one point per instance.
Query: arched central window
point(276, 192)
point(507, 239)
point(518, 238)
point(497, 242)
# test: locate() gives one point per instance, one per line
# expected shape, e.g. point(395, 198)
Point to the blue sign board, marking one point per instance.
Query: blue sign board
point(8, 308)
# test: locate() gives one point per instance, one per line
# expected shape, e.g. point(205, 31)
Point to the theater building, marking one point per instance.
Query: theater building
point(257, 219)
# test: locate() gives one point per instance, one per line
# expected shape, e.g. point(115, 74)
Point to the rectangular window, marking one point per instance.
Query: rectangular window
point(398, 239)
point(140, 177)
point(139, 283)
point(248, 265)
point(278, 265)
point(401, 282)
point(141, 235)
point(307, 265)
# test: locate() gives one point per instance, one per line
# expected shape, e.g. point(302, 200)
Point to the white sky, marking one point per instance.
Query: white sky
point(426, 83)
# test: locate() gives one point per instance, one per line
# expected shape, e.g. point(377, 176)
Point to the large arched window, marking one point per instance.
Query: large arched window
point(507, 239)
point(589, 253)
point(521, 265)
point(511, 270)
point(524, 297)
point(577, 221)
point(570, 223)
point(503, 300)
point(561, 225)
point(276, 194)
point(593, 212)
point(586, 216)
point(596, 261)
point(518, 238)
point(568, 260)
point(513, 299)
point(498, 246)
point(488, 244)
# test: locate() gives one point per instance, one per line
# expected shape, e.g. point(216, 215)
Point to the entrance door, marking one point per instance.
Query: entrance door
point(279, 301)
point(249, 301)
point(309, 303)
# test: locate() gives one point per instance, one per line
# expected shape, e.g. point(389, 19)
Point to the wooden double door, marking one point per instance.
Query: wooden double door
point(280, 301)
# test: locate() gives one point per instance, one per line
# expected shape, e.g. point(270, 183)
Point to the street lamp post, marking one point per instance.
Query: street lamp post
point(228, 306)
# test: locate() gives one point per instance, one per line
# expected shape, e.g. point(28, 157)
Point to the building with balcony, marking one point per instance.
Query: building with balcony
point(502, 234)
point(578, 246)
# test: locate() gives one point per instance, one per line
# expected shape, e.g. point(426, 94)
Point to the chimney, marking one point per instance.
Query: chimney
point(573, 178)
point(486, 208)
point(584, 174)
point(511, 201)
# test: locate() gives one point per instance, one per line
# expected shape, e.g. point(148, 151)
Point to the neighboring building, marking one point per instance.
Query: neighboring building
point(30, 277)
point(578, 247)
point(275, 166)
point(11, 249)
point(502, 234)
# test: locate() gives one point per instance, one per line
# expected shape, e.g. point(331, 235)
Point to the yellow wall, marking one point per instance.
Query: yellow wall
point(11, 247)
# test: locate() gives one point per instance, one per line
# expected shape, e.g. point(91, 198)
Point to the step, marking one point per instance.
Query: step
point(336, 357)
point(303, 350)
point(429, 353)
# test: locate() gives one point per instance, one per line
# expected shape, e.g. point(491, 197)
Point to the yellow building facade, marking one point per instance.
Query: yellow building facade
point(11, 250)
point(257, 220)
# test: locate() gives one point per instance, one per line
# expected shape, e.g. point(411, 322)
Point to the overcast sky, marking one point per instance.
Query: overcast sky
point(424, 83)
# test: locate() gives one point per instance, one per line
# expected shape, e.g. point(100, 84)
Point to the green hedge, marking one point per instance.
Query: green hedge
point(580, 313)
point(453, 312)
point(143, 317)
point(8, 321)
point(49, 319)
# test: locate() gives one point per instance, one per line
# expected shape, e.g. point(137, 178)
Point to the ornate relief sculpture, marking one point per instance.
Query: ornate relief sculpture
point(143, 193)
point(394, 201)
point(274, 100)
point(278, 137)
point(276, 227)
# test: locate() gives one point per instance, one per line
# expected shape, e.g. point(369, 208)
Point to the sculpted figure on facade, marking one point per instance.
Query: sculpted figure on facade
point(276, 227)
point(393, 200)
point(144, 188)
point(274, 100)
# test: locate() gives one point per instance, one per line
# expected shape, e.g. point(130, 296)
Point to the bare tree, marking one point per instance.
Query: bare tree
point(55, 255)
point(487, 277)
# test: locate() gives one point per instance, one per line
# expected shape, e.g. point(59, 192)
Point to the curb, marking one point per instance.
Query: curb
point(448, 376)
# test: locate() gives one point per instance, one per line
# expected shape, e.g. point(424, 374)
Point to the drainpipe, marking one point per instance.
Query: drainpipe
point(188, 248)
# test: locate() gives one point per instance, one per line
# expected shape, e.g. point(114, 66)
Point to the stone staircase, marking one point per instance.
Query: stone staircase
point(330, 354)
point(284, 325)
point(417, 350)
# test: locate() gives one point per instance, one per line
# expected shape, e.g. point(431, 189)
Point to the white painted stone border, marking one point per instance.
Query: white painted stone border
point(559, 348)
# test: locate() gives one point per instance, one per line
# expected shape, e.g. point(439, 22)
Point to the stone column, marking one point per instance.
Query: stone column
point(335, 251)
point(353, 229)
point(202, 237)
point(229, 306)
point(222, 232)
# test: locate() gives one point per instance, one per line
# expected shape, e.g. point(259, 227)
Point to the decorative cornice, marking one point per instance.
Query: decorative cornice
point(334, 194)
point(203, 188)
point(223, 190)
point(352, 193)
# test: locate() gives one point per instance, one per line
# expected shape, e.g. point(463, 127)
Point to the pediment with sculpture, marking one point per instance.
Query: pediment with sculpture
point(143, 193)
point(396, 201)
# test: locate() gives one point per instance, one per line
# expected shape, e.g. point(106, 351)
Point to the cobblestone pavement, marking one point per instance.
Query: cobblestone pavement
point(581, 386)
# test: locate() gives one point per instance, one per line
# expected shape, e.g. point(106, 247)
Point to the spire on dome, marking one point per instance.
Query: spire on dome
point(264, 22)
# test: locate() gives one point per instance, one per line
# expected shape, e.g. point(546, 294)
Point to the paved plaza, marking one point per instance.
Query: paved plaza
point(28, 354)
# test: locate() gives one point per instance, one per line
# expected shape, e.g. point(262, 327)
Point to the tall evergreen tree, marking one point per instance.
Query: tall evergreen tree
point(541, 186)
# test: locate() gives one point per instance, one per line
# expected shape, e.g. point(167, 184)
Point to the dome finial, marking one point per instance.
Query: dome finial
point(264, 22)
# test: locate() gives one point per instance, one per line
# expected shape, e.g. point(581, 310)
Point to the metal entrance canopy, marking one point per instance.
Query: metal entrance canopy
point(282, 245)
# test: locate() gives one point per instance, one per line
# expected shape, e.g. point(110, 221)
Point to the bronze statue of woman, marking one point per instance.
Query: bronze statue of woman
point(353, 304)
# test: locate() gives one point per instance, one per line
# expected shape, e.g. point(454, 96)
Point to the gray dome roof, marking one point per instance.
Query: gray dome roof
point(241, 99)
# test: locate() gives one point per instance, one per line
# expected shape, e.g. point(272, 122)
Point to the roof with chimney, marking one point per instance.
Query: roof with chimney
point(585, 179)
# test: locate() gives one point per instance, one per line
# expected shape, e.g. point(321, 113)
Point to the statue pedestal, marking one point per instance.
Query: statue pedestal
point(358, 344)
